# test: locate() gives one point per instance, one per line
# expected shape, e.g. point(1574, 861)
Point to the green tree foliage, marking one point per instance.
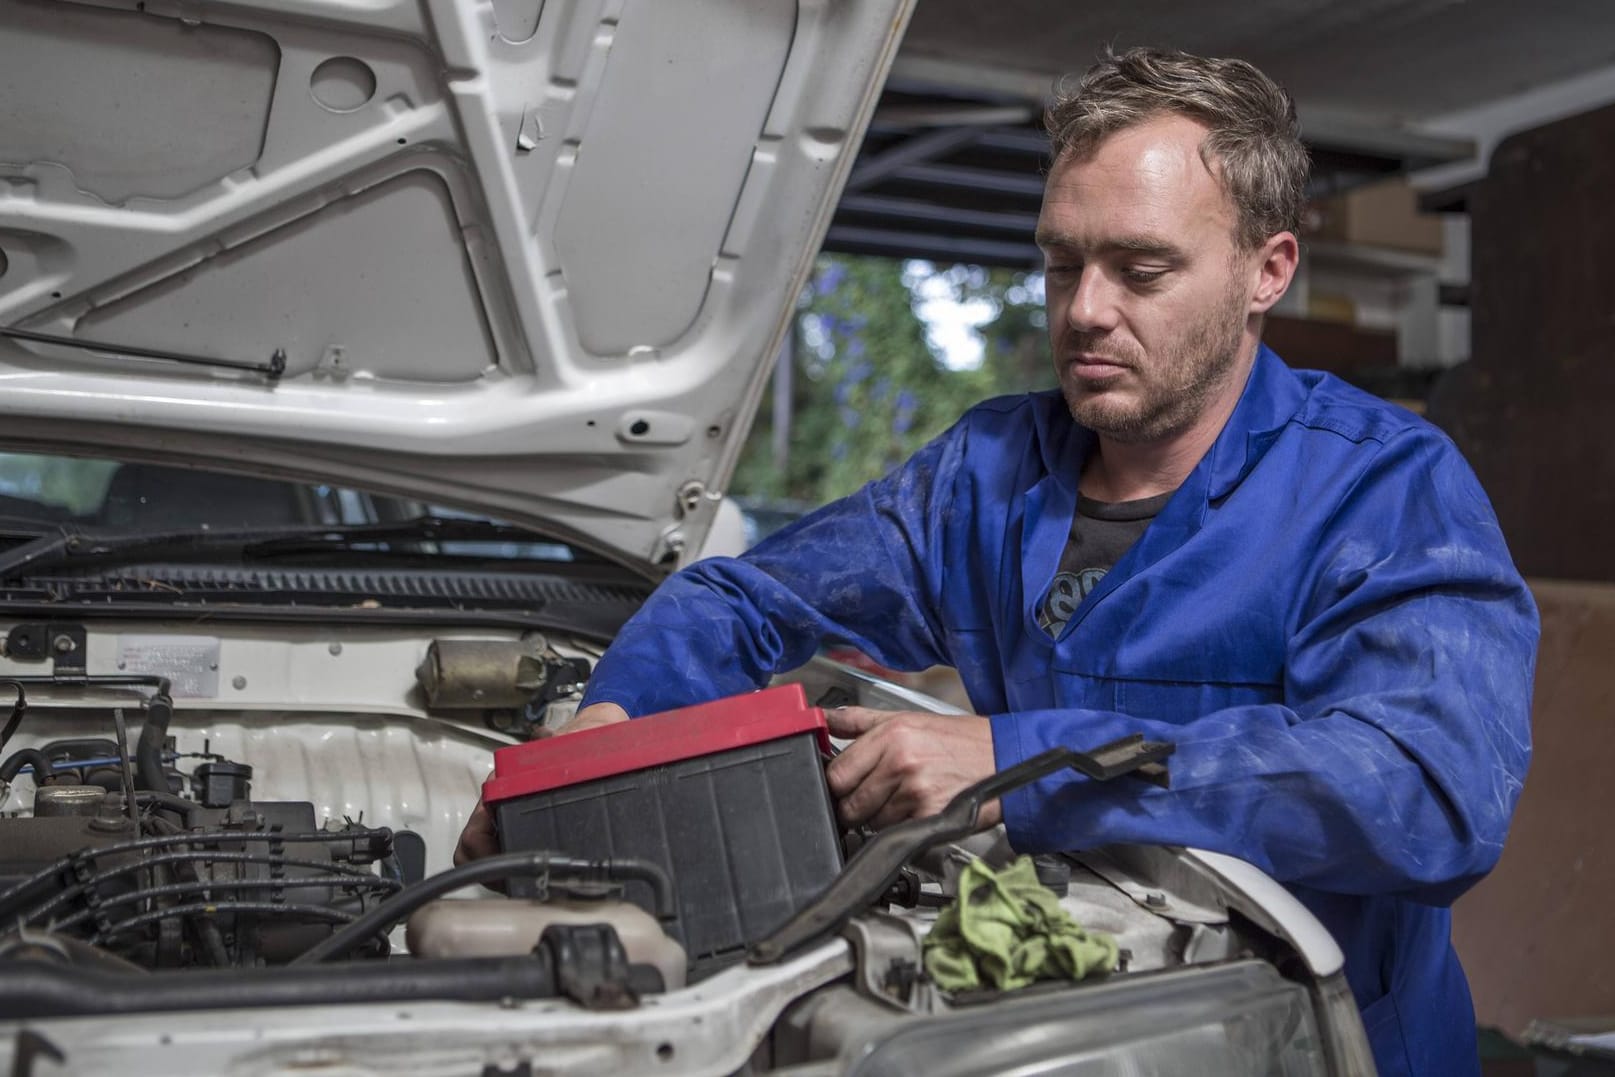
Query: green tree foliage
point(60, 482)
point(869, 387)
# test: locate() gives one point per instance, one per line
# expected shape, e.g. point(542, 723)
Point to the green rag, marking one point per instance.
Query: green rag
point(1006, 930)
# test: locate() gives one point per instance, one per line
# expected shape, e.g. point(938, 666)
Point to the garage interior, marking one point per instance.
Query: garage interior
point(1456, 259)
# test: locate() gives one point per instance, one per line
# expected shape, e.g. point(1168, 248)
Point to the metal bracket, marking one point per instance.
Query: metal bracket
point(591, 966)
point(531, 131)
point(333, 364)
point(669, 545)
point(690, 495)
point(66, 643)
point(886, 967)
point(563, 677)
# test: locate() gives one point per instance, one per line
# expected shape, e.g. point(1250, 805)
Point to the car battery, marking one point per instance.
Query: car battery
point(729, 798)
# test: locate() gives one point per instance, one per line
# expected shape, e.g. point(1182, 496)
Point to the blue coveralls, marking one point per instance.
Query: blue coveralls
point(1324, 618)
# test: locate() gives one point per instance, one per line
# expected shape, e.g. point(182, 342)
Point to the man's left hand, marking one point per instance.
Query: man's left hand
point(907, 764)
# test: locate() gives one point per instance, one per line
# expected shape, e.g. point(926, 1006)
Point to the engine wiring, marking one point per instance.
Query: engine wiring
point(216, 874)
point(211, 908)
point(335, 879)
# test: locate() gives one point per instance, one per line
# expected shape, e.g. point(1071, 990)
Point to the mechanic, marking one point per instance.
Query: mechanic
point(1300, 585)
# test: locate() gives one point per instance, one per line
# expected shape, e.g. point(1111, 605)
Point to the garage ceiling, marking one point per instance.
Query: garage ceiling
point(1382, 60)
point(951, 167)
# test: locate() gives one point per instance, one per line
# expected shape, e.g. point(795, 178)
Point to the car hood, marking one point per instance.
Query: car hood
point(533, 257)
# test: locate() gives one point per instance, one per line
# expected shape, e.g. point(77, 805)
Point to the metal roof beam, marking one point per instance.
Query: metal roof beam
point(981, 180)
point(905, 211)
point(952, 114)
point(892, 243)
point(920, 148)
point(1029, 143)
point(1321, 125)
point(1410, 150)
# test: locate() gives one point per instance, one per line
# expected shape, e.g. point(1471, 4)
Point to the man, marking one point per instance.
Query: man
point(1302, 587)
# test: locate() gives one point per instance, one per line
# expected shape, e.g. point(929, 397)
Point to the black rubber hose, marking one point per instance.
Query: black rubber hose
point(149, 772)
point(82, 748)
point(8, 729)
point(105, 778)
point(173, 801)
point(63, 948)
point(509, 865)
point(26, 757)
point(28, 991)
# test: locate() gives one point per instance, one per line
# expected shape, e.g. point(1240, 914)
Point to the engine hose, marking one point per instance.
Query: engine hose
point(54, 948)
point(18, 709)
point(149, 772)
point(400, 905)
point(29, 991)
point(172, 801)
point(27, 757)
point(79, 751)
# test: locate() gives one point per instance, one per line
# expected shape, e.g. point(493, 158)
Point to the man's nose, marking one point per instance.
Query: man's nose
point(1093, 307)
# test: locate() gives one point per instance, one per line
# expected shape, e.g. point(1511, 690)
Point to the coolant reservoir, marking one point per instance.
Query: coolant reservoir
point(510, 927)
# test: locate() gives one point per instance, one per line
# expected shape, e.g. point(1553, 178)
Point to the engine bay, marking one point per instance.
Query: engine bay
point(124, 860)
point(258, 824)
point(144, 828)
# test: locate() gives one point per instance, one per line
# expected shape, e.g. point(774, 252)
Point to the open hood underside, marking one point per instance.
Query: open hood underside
point(528, 256)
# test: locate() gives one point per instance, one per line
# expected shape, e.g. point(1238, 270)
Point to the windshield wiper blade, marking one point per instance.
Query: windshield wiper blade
point(25, 527)
point(71, 545)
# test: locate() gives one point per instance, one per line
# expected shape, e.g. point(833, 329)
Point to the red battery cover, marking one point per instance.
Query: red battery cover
point(653, 741)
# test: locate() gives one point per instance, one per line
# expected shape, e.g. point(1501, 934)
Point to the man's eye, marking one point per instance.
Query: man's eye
point(1143, 276)
point(1063, 271)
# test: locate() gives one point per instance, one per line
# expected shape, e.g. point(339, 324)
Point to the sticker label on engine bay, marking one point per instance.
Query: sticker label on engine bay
point(191, 663)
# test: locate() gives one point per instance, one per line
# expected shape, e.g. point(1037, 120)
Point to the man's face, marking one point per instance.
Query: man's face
point(1148, 293)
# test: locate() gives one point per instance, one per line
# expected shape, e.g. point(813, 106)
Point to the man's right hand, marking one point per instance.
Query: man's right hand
point(478, 839)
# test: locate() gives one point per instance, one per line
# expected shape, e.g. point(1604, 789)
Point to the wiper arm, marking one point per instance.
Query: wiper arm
point(67, 544)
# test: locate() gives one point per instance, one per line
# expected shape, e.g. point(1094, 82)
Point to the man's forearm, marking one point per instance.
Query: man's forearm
point(1332, 802)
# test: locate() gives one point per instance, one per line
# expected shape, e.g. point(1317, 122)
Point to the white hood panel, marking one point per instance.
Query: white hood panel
point(530, 255)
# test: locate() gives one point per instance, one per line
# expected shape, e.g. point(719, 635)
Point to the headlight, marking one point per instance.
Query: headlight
point(1239, 1020)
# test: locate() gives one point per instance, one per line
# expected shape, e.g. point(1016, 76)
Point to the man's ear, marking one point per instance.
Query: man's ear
point(1274, 265)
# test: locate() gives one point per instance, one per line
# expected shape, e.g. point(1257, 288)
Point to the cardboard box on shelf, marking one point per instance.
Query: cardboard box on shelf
point(1384, 214)
point(1319, 345)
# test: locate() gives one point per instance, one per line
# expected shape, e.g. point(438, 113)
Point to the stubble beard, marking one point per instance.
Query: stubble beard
point(1170, 392)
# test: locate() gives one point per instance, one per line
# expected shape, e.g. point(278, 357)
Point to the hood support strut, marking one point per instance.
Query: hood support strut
point(271, 370)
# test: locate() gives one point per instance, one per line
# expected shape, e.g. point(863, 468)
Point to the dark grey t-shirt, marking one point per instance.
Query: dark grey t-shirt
point(1101, 531)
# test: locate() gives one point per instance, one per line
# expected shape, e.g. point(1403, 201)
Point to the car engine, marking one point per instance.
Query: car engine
point(125, 859)
point(144, 868)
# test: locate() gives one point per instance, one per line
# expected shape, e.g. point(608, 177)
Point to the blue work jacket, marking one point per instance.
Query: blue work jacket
point(1324, 619)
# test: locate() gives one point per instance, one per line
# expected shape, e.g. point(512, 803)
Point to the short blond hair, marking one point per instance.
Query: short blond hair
point(1254, 141)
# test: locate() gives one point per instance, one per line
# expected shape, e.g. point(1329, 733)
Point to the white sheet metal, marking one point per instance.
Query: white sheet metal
point(528, 258)
point(710, 1028)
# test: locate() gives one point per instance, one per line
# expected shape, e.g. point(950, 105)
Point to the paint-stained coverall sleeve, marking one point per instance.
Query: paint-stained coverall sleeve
point(1395, 761)
point(859, 570)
